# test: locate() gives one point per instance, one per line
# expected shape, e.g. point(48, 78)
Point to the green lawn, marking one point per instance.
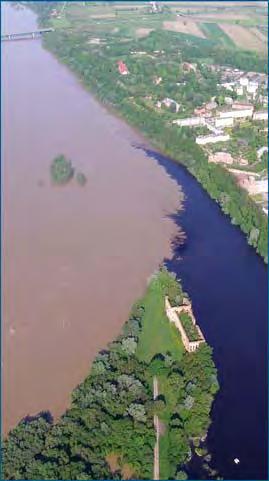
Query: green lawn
point(158, 335)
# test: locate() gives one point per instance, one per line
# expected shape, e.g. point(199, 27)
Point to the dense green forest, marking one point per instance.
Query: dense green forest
point(134, 96)
point(108, 431)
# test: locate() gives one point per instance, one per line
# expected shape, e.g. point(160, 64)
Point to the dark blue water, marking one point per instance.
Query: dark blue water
point(227, 282)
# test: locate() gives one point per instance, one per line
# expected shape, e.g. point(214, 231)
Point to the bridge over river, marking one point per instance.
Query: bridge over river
point(26, 35)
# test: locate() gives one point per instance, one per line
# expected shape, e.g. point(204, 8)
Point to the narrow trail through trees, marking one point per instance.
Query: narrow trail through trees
point(156, 469)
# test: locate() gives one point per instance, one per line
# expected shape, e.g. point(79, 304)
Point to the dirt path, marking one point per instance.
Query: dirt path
point(156, 469)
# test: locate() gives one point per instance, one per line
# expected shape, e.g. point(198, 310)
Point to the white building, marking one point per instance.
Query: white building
point(263, 115)
point(169, 102)
point(243, 81)
point(212, 139)
point(252, 87)
point(224, 121)
point(237, 114)
point(261, 151)
point(259, 187)
point(239, 90)
point(190, 121)
point(242, 105)
point(228, 86)
point(228, 100)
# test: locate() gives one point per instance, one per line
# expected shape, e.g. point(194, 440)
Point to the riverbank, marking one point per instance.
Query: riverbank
point(111, 415)
point(97, 67)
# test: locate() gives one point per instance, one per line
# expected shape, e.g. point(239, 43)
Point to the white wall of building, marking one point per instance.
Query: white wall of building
point(224, 122)
point(260, 116)
point(190, 121)
point(236, 114)
point(211, 139)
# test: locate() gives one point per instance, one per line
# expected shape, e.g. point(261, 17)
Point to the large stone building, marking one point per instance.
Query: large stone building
point(173, 314)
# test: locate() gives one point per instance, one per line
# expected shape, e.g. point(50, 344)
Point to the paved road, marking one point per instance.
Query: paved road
point(156, 469)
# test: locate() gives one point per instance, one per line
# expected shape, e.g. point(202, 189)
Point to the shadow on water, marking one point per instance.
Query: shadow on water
point(227, 282)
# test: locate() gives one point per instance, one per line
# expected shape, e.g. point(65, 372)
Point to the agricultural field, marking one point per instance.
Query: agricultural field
point(243, 37)
point(214, 32)
point(231, 24)
point(186, 26)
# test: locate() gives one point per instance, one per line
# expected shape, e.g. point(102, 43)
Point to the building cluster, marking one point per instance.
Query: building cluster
point(251, 85)
point(216, 119)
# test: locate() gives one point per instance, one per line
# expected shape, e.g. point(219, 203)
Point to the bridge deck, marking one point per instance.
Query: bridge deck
point(22, 35)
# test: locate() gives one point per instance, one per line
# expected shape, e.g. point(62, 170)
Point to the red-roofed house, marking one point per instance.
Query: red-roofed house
point(122, 68)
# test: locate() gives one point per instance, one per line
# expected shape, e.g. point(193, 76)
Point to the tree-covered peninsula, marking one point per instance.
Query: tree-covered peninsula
point(108, 432)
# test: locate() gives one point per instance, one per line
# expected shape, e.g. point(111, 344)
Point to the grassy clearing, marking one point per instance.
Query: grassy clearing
point(213, 32)
point(158, 335)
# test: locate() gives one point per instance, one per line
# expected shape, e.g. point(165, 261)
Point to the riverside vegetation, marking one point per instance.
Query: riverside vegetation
point(134, 95)
point(108, 432)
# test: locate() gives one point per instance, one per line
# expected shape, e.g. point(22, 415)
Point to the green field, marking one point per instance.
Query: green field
point(214, 32)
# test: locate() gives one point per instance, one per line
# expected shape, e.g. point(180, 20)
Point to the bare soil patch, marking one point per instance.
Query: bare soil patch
point(162, 428)
point(143, 32)
point(184, 26)
point(127, 472)
point(260, 35)
point(243, 37)
point(223, 16)
point(113, 461)
point(103, 15)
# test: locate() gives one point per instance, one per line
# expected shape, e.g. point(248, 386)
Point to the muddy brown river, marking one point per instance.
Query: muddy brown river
point(75, 258)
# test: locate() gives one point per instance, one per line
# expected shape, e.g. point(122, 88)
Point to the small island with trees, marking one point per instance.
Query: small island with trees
point(62, 171)
point(109, 431)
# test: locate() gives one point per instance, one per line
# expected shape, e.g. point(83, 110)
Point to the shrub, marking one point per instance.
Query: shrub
point(61, 170)
point(81, 179)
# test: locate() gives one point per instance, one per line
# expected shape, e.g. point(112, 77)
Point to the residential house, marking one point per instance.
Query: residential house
point(170, 102)
point(123, 70)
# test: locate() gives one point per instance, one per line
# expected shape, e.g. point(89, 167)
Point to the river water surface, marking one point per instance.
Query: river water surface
point(76, 258)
